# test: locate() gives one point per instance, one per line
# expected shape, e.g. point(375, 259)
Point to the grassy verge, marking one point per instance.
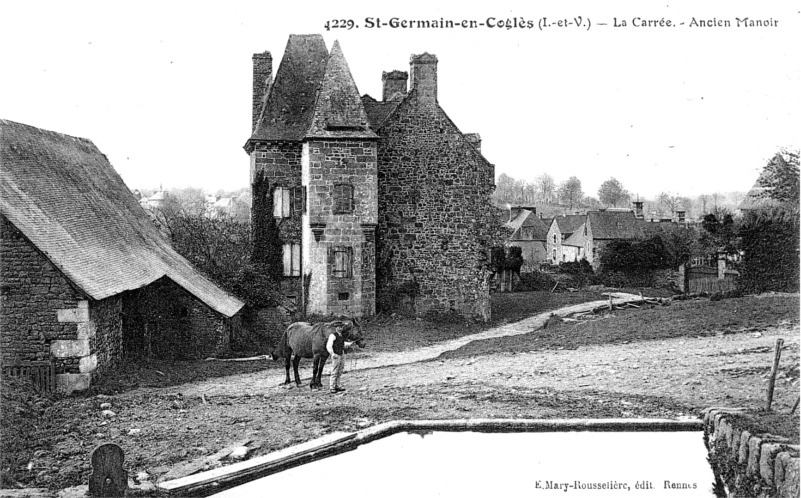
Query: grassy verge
point(682, 318)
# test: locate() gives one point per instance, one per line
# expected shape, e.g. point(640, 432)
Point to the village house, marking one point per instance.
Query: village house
point(375, 201)
point(86, 278)
point(529, 233)
point(560, 229)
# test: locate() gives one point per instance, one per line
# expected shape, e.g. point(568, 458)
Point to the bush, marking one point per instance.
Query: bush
point(534, 281)
point(770, 243)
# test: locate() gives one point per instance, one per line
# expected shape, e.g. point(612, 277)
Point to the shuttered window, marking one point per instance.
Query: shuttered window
point(343, 198)
point(282, 202)
point(291, 260)
point(343, 262)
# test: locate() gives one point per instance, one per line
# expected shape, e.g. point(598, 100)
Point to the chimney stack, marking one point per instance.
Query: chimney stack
point(262, 79)
point(424, 76)
point(638, 209)
point(394, 85)
point(682, 216)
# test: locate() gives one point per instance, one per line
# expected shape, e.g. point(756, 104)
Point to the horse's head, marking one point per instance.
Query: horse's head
point(355, 334)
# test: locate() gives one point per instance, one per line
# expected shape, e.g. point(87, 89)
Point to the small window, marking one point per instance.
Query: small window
point(343, 262)
point(554, 238)
point(343, 198)
point(298, 200)
point(343, 296)
point(291, 260)
point(282, 202)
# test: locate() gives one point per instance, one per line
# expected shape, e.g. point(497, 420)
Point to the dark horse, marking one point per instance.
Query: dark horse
point(304, 340)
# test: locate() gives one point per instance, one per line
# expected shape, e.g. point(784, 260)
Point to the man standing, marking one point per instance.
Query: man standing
point(336, 348)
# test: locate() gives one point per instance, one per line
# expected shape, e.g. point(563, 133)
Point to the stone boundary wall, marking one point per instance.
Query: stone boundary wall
point(750, 464)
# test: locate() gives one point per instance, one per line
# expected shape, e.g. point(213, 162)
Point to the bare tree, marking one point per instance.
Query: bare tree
point(570, 192)
point(545, 187)
point(670, 202)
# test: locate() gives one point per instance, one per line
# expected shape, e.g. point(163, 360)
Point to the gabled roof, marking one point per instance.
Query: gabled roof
point(378, 112)
point(613, 224)
point(338, 111)
point(577, 238)
point(65, 197)
point(757, 197)
point(527, 221)
point(290, 106)
point(570, 222)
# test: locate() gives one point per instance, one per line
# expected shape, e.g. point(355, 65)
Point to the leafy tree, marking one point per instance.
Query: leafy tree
point(612, 193)
point(570, 192)
point(769, 240)
point(267, 253)
point(719, 232)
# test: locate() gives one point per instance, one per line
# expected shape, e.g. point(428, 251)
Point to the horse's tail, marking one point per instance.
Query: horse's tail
point(280, 350)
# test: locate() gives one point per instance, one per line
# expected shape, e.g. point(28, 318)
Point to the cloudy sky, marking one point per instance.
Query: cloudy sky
point(164, 88)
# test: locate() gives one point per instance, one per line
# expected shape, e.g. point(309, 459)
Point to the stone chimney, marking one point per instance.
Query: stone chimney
point(262, 79)
point(638, 209)
point(474, 139)
point(424, 76)
point(681, 215)
point(394, 84)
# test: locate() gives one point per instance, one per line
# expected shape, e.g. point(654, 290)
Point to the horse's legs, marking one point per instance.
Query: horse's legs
point(286, 364)
point(323, 358)
point(295, 363)
point(315, 363)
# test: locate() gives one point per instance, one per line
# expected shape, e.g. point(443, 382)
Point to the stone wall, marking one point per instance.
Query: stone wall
point(325, 165)
point(750, 464)
point(165, 321)
point(32, 290)
point(434, 190)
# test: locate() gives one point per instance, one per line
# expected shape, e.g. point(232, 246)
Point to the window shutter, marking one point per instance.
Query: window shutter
point(277, 196)
point(297, 200)
point(349, 197)
point(287, 260)
point(287, 202)
point(296, 259)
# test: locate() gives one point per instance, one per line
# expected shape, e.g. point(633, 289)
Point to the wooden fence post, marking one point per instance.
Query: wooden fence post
point(777, 353)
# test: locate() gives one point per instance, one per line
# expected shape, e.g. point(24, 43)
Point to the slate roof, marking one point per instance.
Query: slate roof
point(338, 111)
point(378, 112)
point(576, 239)
point(65, 197)
point(613, 224)
point(289, 108)
point(756, 198)
point(528, 222)
point(569, 223)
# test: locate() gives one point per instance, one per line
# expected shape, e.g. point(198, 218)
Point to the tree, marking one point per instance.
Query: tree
point(781, 178)
point(267, 254)
point(612, 193)
point(670, 202)
point(545, 187)
point(570, 191)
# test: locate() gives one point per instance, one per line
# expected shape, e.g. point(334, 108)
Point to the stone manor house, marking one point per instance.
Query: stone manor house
point(377, 202)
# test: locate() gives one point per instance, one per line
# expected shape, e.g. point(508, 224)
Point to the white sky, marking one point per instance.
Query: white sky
point(164, 89)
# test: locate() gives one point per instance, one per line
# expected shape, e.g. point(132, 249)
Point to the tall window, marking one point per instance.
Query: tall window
point(288, 200)
point(343, 198)
point(291, 260)
point(343, 262)
point(554, 238)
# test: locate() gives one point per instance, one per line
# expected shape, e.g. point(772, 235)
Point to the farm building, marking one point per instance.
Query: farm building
point(86, 277)
point(382, 202)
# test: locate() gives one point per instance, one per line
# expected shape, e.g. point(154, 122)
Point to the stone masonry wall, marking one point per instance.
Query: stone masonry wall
point(750, 464)
point(434, 193)
point(165, 321)
point(325, 164)
point(31, 292)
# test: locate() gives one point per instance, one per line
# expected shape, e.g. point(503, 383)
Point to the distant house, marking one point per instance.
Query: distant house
point(86, 277)
point(529, 232)
point(603, 227)
point(561, 228)
point(757, 197)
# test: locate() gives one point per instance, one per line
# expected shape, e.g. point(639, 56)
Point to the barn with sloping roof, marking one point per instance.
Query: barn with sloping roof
point(86, 276)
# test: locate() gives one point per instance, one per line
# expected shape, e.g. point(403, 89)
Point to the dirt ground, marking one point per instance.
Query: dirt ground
point(163, 428)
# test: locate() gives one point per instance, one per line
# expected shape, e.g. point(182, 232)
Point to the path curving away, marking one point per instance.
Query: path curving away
point(364, 359)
